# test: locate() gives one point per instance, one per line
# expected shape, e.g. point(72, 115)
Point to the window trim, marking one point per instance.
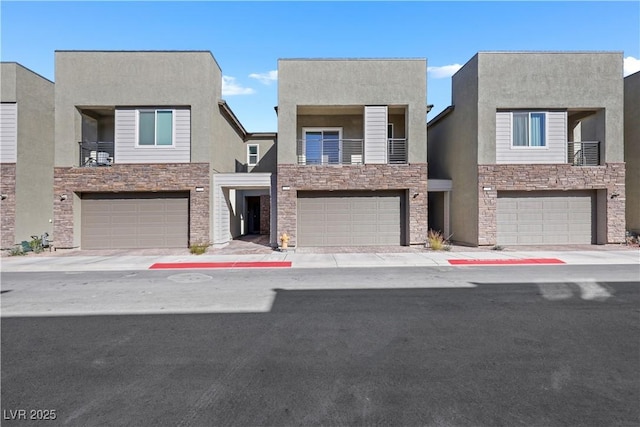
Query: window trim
point(155, 144)
point(546, 130)
point(249, 154)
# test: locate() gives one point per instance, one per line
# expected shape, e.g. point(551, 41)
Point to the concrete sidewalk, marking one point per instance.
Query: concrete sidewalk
point(318, 260)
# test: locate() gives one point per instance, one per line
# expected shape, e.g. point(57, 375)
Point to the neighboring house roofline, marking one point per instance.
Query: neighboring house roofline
point(28, 69)
point(259, 135)
point(632, 74)
point(440, 115)
point(352, 59)
point(141, 51)
point(534, 52)
point(588, 52)
point(232, 119)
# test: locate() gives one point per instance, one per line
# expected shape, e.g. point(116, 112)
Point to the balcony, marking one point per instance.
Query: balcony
point(585, 153)
point(333, 151)
point(94, 154)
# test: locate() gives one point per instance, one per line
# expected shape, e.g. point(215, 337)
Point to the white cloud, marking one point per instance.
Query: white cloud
point(265, 78)
point(631, 65)
point(444, 71)
point(231, 87)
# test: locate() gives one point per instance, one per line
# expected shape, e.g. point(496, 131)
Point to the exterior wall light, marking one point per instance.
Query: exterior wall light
point(3, 196)
point(199, 189)
point(63, 197)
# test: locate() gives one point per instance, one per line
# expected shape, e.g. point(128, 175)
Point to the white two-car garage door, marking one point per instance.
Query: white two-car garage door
point(350, 218)
point(546, 217)
point(135, 220)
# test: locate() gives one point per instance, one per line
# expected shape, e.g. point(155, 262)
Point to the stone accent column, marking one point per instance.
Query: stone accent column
point(265, 212)
point(8, 205)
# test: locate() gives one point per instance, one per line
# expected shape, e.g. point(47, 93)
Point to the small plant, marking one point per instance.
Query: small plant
point(198, 248)
point(36, 244)
point(497, 248)
point(16, 251)
point(437, 242)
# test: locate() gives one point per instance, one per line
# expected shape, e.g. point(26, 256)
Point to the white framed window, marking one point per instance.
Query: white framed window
point(253, 154)
point(322, 145)
point(156, 128)
point(528, 129)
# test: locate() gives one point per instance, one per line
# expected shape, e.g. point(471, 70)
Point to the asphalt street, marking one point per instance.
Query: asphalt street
point(532, 346)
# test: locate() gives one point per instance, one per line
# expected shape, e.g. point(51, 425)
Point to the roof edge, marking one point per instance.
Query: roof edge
point(441, 115)
point(231, 117)
point(28, 69)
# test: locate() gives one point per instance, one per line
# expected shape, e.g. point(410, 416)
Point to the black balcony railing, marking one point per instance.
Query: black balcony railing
point(96, 153)
point(330, 151)
point(397, 151)
point(585, 153)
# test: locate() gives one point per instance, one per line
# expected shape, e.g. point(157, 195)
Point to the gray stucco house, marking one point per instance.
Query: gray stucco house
point(147, 154)
point(533, 144)
point(632, 149)
point(26, 153)
point(352, 151)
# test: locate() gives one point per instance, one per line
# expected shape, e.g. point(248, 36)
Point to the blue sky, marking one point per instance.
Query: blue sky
point(247, 38)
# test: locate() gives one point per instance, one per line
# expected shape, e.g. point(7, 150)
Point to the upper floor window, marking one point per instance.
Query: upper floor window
point(529, 129)
point(252, 154)
point(155, 127)
point(322, 146)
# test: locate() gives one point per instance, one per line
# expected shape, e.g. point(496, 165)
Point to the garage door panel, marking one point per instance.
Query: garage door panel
point(349, 219)
point(135, 220)
point(545, 217)
point(556, 216)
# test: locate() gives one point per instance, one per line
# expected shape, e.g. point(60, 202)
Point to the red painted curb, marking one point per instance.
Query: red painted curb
point(523, 261)
point(238, 264)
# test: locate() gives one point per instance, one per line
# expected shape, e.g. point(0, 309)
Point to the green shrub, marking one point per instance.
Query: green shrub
point(198, 248)
point(16, 251)
point(36, 244)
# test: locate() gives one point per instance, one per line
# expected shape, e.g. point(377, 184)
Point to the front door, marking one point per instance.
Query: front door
point(253, 215)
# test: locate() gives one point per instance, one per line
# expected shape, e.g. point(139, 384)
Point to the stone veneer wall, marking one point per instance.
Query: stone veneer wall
point(8, 205)
point(265, 212)
point(551, 177)
point(132, 178)
point(411, 177)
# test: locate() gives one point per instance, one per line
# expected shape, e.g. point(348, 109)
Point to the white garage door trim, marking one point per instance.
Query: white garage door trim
point(545, 217)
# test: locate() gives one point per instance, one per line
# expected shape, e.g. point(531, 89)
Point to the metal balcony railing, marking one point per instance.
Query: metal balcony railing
point(96, 153)
point(585, 153)
point(330, 151)
point(345, 151)
point(397, 151)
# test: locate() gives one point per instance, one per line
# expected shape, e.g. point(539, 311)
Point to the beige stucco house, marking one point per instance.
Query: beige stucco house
point(148, 154)
point(352, 151)
point(533, 144)
point(632, 149)
point(26, 154)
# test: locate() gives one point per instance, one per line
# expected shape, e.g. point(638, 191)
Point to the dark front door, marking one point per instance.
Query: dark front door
point(253, 215)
